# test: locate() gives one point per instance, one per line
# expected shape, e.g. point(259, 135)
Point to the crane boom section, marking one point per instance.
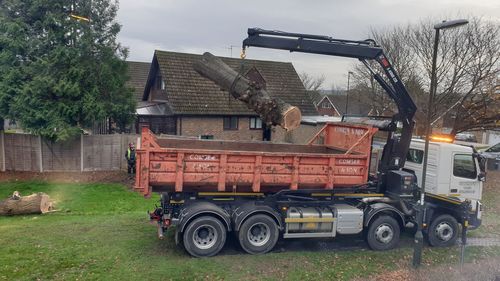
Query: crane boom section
point(396, 149)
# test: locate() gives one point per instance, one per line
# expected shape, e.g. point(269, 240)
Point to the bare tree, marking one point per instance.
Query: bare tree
point(396, 44)
point(467, 71)
point(312, 83)
point(480, 110)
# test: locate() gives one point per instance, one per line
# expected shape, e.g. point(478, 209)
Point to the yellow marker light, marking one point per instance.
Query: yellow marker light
point(442, 138)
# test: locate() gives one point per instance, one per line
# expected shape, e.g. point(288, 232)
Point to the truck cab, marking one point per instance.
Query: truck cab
point(453, 171)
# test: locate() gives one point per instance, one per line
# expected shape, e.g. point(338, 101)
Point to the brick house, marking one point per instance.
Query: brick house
point(177, 100)
point(325, 106)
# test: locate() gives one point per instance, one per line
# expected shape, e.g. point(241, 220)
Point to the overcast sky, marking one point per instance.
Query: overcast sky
point(216, 25)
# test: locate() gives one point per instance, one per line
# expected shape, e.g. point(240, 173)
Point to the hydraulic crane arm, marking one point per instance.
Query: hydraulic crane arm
point(395, 151)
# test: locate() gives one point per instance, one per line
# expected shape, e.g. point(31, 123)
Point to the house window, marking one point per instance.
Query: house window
point(415, 156)
point(326, 105)
point(464, 166)
point(231, 123)
point(160, 83)
point(255, 123)
point(158, 124)
point(207, 137)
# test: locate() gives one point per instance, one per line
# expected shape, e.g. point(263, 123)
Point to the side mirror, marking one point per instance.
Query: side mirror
point(481, 176)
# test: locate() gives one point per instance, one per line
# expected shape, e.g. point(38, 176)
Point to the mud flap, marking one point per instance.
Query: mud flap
point(177, 237)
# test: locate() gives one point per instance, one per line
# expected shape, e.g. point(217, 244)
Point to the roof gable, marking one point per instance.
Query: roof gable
point(137, 77)
point(190, 93)
point(331, 103)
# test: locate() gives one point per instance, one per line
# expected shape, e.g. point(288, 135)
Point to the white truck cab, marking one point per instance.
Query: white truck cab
point(453, 171)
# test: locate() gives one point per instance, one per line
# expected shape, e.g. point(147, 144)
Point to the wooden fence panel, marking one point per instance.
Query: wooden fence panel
point(102, 152)
point(61, 156)
point(22, 152)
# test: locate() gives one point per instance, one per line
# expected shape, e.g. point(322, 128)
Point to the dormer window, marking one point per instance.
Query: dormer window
point(160, 83)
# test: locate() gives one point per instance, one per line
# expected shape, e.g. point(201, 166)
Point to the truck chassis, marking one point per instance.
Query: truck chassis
point(204, 219)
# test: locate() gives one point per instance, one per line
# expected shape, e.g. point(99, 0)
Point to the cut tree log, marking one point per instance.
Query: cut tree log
point(272, 111)
point(37, 203)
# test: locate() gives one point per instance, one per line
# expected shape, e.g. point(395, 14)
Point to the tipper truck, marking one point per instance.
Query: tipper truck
point(262, 191)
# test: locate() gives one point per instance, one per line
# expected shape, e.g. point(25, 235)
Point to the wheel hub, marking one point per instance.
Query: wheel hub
point(205, 236)
point(444, 231)
point(384, 233)
point(258, 234)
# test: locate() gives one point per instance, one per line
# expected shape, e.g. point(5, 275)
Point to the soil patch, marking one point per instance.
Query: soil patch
point(70, 177)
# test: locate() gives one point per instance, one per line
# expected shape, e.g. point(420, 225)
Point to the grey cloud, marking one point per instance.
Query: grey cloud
point(199, 26)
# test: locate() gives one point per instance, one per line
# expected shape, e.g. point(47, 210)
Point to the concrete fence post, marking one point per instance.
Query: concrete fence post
point(40, 154)
point(2, 136)
point(81, 153)
point(121, 150)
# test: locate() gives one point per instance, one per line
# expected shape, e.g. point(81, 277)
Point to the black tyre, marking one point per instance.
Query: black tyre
point(204, 237)
point(443, 231)
point(383, 233)
point(258, 234)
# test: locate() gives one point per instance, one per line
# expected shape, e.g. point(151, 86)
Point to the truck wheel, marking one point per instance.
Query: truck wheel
point(383, 233)
point(443, 231)
point(204, 237)
point(258, 234)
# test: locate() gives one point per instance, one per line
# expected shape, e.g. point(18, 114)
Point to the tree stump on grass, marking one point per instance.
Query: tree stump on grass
point(37, 203)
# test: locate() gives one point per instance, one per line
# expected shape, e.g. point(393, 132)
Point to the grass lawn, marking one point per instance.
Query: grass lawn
point(101, 232)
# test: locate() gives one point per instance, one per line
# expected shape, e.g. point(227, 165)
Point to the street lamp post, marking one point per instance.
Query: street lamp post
point(417, 254)
point(347, 92)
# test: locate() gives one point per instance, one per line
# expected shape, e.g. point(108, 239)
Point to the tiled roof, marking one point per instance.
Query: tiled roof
point(138, 75)
point(190, 93)
point(315, 96)
point(355, 106)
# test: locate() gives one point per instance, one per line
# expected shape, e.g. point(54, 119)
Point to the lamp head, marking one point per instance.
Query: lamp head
point(451, 24)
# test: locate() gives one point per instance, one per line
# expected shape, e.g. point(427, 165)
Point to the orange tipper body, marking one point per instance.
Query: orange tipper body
point(337, 156)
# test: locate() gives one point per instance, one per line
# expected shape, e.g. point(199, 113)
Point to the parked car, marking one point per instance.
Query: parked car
point(468, 137)
point(492, 152)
